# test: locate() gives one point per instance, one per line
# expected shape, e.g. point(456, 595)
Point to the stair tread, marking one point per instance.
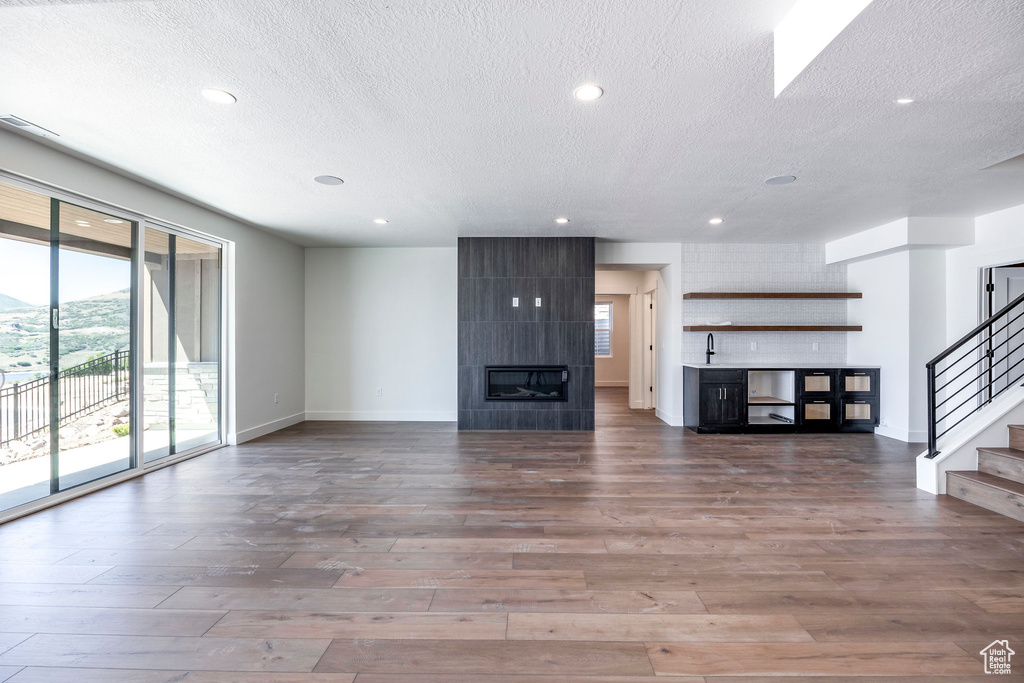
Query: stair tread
point(1004, 452)
point(1007, 485)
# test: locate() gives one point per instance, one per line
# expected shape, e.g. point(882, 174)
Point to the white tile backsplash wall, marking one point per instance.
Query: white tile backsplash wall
point(763, 268)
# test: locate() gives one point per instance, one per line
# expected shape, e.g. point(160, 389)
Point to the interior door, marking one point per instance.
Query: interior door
point(1007, 285)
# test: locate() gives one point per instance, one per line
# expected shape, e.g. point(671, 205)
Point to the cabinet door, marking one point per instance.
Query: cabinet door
point(819, 383)
point(734, 404)
point(859, 383)
point(711, 408)
point(859, 414)
point(818, 413)
point(722, 404)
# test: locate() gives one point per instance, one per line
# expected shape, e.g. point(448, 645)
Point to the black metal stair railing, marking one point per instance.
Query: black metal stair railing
point(84, 388)
point(992, 361)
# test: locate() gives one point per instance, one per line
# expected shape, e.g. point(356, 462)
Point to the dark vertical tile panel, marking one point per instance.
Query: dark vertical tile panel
point(502, 343)
point(466, 344)
point(465, 256)
point(548, 420)
point(465, 294)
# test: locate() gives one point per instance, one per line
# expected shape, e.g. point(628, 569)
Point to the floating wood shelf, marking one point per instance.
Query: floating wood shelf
point(773, 295)
point(767, 401)
point(772, 328)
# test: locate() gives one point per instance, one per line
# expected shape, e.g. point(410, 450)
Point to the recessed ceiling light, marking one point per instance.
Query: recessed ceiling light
point(219, 96)
point(780, 180)
point(904, 100)
point(115, 221)
point(588, 92)
point(380, 221)
point(329, 180)
point(562, 221)
point(716, 221)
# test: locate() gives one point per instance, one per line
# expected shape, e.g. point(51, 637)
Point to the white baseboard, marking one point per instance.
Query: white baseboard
point(264, 429)
point(611, 383)
point(670, 420)
point(385, 416)
point(902, 434)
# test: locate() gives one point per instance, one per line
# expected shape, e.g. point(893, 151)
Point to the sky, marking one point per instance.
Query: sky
point(25, 273)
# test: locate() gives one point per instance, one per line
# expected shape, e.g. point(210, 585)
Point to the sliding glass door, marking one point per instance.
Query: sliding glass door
point(181, 353)
point(91, 344)
point(65, 345)
point(98, 315)
point(25, 461)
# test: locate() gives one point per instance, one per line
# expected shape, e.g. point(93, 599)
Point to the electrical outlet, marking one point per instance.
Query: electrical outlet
point(884, 423)
point(537, 302)
point(277, 398)
point(814, 346)
point(380, 391)
point(753, 392)
point(753, 346)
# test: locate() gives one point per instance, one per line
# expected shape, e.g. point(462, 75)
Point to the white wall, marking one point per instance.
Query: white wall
point(998, 240)
point(268, 282)
point(903, 315)
point(884, 311)
point(381, 318)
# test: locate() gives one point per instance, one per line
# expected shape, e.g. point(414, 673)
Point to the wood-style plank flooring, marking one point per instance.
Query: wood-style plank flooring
point(412, 553)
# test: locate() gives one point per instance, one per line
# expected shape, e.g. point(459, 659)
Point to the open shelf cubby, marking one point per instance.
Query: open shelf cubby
point(771, 392)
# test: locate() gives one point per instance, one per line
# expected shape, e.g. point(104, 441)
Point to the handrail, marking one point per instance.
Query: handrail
point(977, 330)
point(986, 348)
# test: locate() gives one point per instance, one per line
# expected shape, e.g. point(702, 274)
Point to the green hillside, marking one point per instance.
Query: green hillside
point(9, 302)
point(90, 327)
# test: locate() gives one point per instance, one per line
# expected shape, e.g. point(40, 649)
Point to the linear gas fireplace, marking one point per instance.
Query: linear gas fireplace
point(527, 382)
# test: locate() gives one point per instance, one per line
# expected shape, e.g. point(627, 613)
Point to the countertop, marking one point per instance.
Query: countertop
point(778, 366)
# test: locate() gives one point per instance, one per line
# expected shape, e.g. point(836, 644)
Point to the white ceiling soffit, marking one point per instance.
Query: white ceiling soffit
point(457, 118)
point(932, 51)
point(806, 30)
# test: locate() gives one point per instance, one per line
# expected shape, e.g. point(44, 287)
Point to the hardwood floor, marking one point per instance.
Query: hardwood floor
point(410, 552)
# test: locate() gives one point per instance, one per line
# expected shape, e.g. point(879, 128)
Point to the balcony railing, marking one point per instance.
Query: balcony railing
point(83, 388)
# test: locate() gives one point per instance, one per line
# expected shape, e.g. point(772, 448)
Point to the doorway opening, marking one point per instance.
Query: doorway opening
point(625, 346)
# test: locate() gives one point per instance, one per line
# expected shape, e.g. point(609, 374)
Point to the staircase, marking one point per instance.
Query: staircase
point(998, 485)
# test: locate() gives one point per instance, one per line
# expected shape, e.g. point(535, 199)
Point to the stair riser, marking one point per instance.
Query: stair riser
point(982, 495)
point(1017, 437)
point(1007, 468)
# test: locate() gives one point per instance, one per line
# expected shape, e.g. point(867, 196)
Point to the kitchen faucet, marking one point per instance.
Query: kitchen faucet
point(711, 347)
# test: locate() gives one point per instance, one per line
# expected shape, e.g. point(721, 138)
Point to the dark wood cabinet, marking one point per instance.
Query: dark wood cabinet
point(722, 400)
point(723, 404)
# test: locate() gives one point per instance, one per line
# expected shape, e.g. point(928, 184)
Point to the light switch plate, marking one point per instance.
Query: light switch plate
point(515, 302)
point(537, 304)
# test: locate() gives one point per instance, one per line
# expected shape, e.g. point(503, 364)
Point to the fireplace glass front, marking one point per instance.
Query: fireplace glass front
point(527, 383)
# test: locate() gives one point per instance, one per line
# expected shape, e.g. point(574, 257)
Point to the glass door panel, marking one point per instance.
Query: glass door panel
point(196, 354)
point(156, 330)
point(24, 346)
point(93, 328)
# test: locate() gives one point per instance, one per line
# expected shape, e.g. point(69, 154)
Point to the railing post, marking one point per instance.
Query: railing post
point(932, 426)
point(17, 414)
point(117, 374)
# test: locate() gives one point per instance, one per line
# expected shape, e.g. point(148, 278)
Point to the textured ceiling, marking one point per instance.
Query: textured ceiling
point(456, 118)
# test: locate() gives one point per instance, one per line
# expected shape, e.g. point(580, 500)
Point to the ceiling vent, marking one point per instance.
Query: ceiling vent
point(27, 126)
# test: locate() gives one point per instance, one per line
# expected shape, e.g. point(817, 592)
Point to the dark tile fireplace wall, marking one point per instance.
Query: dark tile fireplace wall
point(559, 270)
